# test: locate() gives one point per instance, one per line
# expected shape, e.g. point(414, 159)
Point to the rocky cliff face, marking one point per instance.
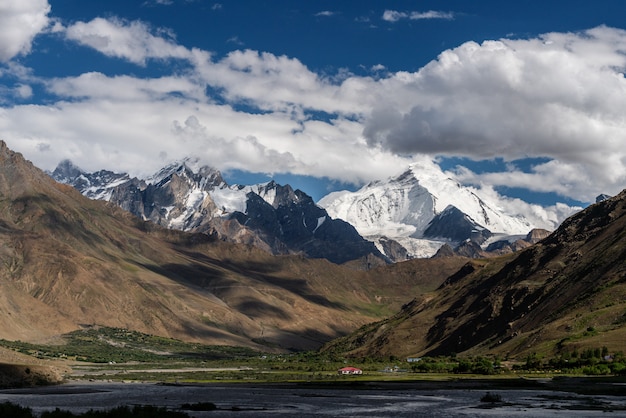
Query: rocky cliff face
point(455, 225)
point(470, 248)
point(186, 197)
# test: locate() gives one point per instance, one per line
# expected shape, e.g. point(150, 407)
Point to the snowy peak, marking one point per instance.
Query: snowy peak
point(66, 171)
point(97, 185)
point(199, 176)
point(274, 194)
point(418, 204)
point(446, 192)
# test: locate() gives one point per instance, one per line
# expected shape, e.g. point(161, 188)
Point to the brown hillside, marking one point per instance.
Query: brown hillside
point(567, 291)
point(67, 261)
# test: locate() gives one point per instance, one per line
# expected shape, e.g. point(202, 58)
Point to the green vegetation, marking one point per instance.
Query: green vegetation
point(117, 354)
point(452, 365)
point(593, 361)
point(117, 345)
point(596, 361)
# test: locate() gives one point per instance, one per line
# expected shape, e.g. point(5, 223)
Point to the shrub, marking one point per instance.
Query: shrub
point(7, 409)
point(491, 398)
point(618, 368)
point(480, 365)
point(199, 406)
point(145, 411)
point(598, 369)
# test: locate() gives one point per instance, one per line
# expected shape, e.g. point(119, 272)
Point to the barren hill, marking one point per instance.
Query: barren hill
point(67, 261)
point(564, 293)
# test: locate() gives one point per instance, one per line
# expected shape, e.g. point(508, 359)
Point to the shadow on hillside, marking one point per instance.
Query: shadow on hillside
point(244, 265)
point(257, 309)
point(211, 331)
point(217, 282)
point(260, 272)
point(63, 224)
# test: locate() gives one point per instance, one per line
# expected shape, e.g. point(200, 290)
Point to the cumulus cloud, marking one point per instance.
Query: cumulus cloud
point(394, 15)
point(96, 85)
point(271, 82)
point(23, 91)
point(260, 123)
point(132, 41)
point(21, 21)
point(558, 96)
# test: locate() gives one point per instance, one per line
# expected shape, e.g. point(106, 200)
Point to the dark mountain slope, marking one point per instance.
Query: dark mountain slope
point(565, 292)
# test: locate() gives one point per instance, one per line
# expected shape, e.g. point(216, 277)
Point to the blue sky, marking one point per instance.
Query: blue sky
point(518, 99)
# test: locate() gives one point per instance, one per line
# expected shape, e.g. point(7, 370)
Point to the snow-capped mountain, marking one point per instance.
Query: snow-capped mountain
point(423, 208)
point(190, 197)
point(98, 185)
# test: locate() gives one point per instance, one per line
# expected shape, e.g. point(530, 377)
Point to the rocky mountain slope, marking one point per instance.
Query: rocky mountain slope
point(565, 293)
point(67, 261)
point(190, 197)
point(421, 209)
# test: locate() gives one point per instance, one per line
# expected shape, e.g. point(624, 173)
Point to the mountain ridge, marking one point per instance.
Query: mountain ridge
point(195, 198)
point(564, 293)
point(411, 215)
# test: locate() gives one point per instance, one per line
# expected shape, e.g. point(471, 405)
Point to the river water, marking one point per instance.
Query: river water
point(301, 401)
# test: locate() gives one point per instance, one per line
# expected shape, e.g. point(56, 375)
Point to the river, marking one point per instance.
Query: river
point(312, 401)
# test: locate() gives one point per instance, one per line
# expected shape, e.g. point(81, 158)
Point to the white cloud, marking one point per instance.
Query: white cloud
point(235, 40)
point(123, 88)
point(21, 21)
point(560, 96)
point(126, 123)
point(431, 14)
point(272, 82)
point(23, 91)
point(378, 67)
point(132, 41)
point(394, 15)
point(326, 13)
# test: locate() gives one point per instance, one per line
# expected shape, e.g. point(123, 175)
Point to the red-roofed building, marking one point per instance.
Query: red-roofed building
point(350, 370)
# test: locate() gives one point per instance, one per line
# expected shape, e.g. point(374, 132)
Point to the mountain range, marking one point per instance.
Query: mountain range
point(69, 262)
point(424, 208)
point(189, 197)
point(565, 293)
point(408, 216)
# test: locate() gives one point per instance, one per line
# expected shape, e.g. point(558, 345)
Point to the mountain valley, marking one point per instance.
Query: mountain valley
point(70, 262)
